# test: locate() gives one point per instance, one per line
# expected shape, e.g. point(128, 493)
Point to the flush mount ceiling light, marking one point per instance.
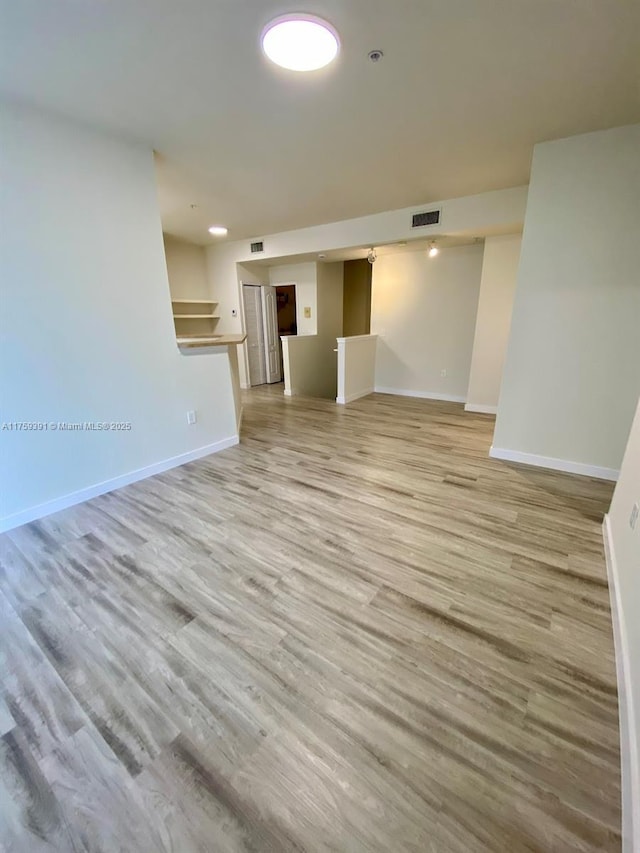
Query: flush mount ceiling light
point(300, 42)
point(218, 231)
point(433, 250)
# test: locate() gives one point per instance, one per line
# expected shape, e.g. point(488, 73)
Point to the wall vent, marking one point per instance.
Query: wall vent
point(257, 247)
point(428, 217)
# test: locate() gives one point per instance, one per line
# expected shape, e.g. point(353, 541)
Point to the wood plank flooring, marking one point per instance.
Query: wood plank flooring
point(352, 632)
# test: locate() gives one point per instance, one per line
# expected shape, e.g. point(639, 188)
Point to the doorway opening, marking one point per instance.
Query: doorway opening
point(286, 302)
point(287, 323)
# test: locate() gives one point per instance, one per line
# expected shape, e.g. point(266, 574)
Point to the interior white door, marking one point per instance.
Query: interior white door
point(254, 325)
point(270, 323)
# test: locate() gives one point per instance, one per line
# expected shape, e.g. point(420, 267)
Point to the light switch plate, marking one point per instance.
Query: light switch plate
point(307, 313)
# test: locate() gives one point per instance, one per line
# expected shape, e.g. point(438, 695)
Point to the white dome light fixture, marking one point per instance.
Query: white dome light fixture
point(300, 42)
point(218, 231)
point(433, 249)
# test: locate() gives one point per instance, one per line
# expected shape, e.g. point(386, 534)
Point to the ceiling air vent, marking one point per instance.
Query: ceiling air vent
point(428, 217)
point(257, 247)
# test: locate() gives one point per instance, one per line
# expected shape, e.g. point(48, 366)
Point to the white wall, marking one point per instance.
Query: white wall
point(624, 571)
point(572, 372)
point(87, 329)
point(225, 283)
point(493, 320)
point(186, 268)
point(356, 367)
point(423, 310)
point(304, 276)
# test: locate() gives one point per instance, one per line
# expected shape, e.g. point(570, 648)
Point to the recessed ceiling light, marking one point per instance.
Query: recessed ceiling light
point(300, 42)
point(218, 231)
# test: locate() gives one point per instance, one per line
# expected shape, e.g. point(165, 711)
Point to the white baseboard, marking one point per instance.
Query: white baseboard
point(629, 746)
point(245, 387)
point(481, 409)
point(555, 464)
point(289, 392)
point(8, 522)
point(426, 395)
point(356, 396)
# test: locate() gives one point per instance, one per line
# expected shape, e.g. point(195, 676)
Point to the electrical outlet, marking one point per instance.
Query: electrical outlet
point(633, 518)
point(192, 417)
point(443, 372)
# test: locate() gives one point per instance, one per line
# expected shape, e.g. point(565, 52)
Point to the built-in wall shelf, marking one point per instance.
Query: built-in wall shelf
point(192, 302)
point(195, 317)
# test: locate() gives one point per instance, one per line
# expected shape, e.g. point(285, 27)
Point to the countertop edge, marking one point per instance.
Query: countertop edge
point(217, 341)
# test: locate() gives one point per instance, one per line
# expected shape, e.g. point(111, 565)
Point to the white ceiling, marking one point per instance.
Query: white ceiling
point(465, 89)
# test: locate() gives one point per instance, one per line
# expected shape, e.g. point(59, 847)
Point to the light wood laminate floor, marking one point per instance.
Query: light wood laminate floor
point(353, 632)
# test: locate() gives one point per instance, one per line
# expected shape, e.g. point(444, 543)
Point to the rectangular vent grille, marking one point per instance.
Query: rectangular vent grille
point(429, 217)
point(257, 247)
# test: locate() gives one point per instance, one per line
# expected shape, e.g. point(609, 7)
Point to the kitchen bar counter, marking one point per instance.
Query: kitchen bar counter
point(203, 346)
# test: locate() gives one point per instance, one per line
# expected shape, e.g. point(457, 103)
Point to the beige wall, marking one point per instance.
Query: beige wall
point(357, 298)
point(186, 269)
point(330, 300)
point(624, 564)
point(424, 310)
point(497, 289)
point(572, 371)
point(88, 332)
point(309, 366)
